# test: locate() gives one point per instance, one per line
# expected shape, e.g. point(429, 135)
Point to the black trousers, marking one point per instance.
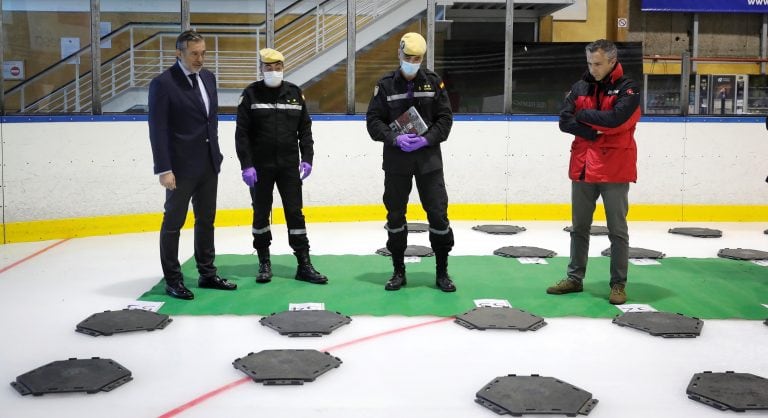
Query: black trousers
point(289, 186)
point(434, 200)
point(202, 192)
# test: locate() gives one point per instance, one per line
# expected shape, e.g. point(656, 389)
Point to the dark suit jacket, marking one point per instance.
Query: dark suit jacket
point(184, 138)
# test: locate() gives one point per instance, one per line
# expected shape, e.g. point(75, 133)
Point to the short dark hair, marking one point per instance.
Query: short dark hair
point(187, 36)
point(608, 47)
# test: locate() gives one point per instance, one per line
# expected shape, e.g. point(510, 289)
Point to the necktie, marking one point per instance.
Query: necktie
point(196, 88)
point(409, 92)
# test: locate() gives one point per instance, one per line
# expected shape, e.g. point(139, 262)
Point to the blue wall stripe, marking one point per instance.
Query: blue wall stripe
point(341, 117)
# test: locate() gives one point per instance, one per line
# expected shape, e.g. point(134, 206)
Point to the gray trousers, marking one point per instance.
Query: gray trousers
point(583, 201)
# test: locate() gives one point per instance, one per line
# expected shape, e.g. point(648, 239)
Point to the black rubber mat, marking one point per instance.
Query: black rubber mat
point(661, 324)
point(73, 375)
point(499, 229)
point(742, 254)
point(126, 320)
point(635, 252)
point(739, 392)
point(518, 395)
point(517, 252)
point(305, 323)
point(410, 251)
point(593, 230)
point(286, 367)
point(483, 318)
point(697, 232)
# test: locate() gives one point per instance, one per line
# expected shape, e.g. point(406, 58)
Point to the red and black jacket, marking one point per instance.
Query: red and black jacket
point(602, 115)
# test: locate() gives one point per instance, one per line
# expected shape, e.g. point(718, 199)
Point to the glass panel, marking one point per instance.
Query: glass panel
point(470, 58)
point(137, 44)
point(47, 45)
point(381, 59)
point(662, 95)
point(542, 73)
point(315, 48)
point(757, 94)
point(234, 32)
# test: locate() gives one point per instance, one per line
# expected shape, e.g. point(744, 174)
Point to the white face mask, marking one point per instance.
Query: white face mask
point(409, 69)
point(273, 78)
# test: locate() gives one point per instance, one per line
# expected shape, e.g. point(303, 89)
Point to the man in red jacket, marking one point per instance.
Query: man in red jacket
point(601, 110)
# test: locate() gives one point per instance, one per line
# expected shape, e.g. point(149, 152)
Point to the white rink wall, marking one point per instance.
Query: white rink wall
point(70, 169)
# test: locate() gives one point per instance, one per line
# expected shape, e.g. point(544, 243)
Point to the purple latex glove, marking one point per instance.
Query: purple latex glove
point(402, 140)
point(414, 142)
point(305, 169)
point(249, 176)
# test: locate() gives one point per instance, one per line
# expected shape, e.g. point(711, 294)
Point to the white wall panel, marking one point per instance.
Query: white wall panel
point(78, 169)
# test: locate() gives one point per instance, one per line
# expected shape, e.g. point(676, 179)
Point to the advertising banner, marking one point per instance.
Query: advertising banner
point(706, 6)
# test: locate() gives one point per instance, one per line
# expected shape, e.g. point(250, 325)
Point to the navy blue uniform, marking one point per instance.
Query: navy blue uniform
point(392, 96)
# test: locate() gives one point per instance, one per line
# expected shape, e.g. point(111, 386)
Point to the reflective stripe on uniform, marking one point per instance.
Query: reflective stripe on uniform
point(260, 230)
point(440, 232)
point(397, 97)
point(275, 106)
point(415, 94)
point(297, 232)
point(394, 230)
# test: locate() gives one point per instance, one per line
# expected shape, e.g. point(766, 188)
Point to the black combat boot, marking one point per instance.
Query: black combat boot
point(442, 280)
point(265, 266)
point(398, 277)
point(305, 272)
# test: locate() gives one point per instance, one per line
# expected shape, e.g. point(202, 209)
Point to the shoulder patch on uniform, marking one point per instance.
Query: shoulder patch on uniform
point(303, 98)
point(240, 100)
point(442, 84)
point(631, 91)
point(376, 90)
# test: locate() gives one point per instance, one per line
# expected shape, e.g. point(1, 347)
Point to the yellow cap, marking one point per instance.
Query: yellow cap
point(269, 55)
point(413, 44)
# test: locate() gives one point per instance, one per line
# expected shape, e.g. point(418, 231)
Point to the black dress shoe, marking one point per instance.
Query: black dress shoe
point(178, 290)
point(445, 284)
point(216, 282)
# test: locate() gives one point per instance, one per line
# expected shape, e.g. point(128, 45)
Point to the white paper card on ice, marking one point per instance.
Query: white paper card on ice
point(644, 262)
point(306, 306)
point(531, 260)
point(636, 307)
point(492, 303)
point(145, 305)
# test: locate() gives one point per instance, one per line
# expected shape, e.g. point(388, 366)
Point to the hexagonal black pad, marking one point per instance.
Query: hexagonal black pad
point(73, 375)
point(410, 251)
point(661, 324)
point(499, 229)
point(636, 253)
point(516, 252)
point(737, 391)
point(126, 320)
point(697, 232)
point(593, 230)
point(742, 254)
point(415, 227)
point(286, 367)
point(485, 317)
point(313, 323)
point(518, 395)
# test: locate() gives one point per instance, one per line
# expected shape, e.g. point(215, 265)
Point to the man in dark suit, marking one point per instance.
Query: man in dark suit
point(183, 130)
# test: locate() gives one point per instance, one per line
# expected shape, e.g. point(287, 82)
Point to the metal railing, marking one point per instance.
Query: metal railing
point(307, 31)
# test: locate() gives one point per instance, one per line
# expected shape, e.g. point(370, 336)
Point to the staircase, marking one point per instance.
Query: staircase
point(312, 37)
